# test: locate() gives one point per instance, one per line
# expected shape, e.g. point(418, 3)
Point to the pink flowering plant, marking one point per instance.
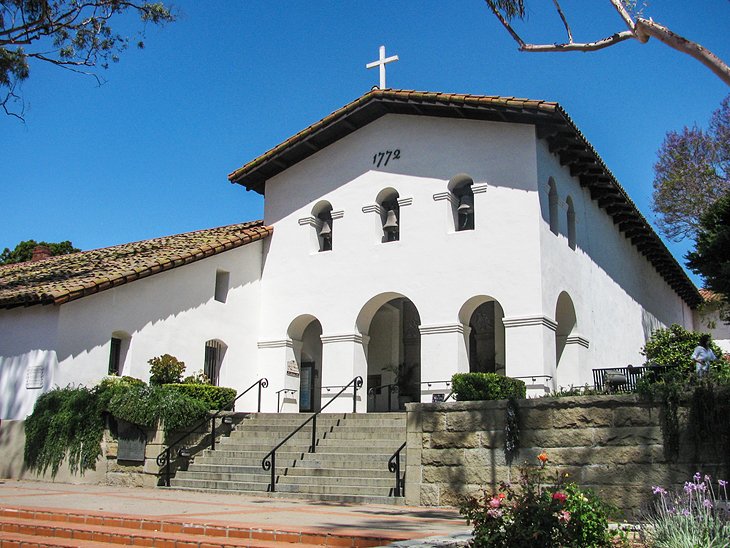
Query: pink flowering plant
point(696, 515)
point(538, 512)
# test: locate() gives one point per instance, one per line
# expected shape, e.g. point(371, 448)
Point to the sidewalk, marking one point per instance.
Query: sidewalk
point(403, 525)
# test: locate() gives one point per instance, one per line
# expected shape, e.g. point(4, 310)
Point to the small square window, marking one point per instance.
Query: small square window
point(222, 279)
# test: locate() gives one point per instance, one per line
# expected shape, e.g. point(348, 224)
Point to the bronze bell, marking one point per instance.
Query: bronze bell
point(466, 203)
point(326, 230)
point(391, 221)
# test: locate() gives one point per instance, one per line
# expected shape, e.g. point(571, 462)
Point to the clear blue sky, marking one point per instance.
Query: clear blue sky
point(147, 153)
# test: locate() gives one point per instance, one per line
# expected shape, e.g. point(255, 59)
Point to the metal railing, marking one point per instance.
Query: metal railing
point(624, 379)
point(394, 467)
point(375, 391)
point(269, 461)
point(278, 396)
point(165, 459)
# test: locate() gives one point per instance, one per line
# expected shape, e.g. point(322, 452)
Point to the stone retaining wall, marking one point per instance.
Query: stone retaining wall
point(612, 444)
point(109, 470)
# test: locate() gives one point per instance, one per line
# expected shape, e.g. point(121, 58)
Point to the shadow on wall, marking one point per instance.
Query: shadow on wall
point(612, 445)
point(19, 375)
point(88, 323)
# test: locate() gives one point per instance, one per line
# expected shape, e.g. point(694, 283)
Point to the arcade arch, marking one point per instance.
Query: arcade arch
point(391, 323)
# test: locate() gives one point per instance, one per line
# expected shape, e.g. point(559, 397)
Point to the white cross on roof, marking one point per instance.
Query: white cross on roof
point(381, 63)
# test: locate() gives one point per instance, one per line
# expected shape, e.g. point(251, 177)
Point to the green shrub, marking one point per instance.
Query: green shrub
point(146, 405)
point(214, 397)
point(166, 369)
point(674, 346)
point(65, 421)
point(486, 386)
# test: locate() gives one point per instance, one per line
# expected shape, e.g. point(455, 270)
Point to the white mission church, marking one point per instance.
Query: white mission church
point(435, 233)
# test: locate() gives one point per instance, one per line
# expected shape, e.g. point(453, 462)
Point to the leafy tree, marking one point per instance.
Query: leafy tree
point(166, 369)
point(24, 251)
point(693, 171)
point(711, 257)
point(638, 28)
point(674, 346)
point(72, 34)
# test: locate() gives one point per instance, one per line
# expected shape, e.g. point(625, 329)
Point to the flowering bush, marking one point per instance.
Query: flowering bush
point(692, 516)
point(538, 514)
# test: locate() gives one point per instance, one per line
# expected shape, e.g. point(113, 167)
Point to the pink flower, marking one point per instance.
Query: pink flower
point(494, 513)
point(495, 502)
point(560, 497)
point(564, 516)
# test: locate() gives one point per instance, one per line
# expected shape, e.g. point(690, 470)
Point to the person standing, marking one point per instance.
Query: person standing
point(702, 356)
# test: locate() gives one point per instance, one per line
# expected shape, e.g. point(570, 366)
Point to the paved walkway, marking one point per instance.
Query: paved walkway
point(412, 526)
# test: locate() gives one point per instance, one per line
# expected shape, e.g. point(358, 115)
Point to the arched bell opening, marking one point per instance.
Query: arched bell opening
point(460, 187)
point(306, 335)
point(387, 199)
point(553, 206)
point(393, 352)
point(485, 341)
point(323, 227)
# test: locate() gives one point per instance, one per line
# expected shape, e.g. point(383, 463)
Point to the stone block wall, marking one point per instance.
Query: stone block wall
point(109, 470)
point(611, 444)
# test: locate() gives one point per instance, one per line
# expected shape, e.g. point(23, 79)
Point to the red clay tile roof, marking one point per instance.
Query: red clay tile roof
point(552, 124)
point(67, 277)
point(710, 296)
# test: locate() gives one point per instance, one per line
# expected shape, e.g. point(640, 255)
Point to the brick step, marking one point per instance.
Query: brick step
point(70, 529)
point(17, 540)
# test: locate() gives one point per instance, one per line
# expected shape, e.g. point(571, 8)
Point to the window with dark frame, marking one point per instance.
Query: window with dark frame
point(115, 354)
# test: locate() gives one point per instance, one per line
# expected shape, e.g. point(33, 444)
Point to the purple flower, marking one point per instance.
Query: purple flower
point(697, 476)
point(721, 483)
point(707, 504)
point(657, 490)
point(707, 477)
point(685, 512)
point(689, 487)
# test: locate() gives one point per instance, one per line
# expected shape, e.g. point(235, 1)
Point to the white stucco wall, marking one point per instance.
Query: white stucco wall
point(619, 297)
point(438, 269)
point(511, 256)
point(172, 312)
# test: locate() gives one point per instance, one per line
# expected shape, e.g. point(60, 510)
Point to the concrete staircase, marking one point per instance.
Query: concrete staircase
point(349, 465)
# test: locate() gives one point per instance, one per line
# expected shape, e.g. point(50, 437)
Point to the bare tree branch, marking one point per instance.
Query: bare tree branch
point(565, 21)
point(641, 30)
point(647, 28)
point(624, 13)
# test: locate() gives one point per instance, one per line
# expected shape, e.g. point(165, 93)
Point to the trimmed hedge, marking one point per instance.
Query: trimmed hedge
point(214, 397)
point(486, 386)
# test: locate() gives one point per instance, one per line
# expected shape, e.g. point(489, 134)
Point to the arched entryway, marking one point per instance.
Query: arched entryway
point(566, 355)
point(391, 323)
point(485, 342)
point(305, 333)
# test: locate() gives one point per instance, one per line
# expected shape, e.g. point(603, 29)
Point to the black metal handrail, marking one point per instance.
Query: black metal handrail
point(394, 467)
point(165, 458)
point(374, 391)
point(534, 378)
point(624, 379)
point(269, 461)
point(278, 396)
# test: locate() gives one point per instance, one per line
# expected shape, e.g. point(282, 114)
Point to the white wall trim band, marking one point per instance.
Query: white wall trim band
point(281, 343)
point(402, 202)
point(443, 328)
point(526, 321)
point(480, 188)
point(372, 208)
point(448, 196)
point(311, 221)
point(577, 339)
point(357, 338)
